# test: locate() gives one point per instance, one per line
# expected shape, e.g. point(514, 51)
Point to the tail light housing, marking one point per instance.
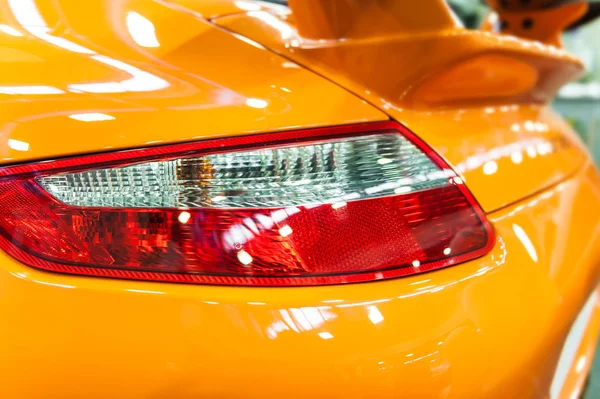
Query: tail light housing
point(312, 207)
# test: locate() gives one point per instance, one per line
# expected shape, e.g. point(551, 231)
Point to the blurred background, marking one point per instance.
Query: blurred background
point(578, 102)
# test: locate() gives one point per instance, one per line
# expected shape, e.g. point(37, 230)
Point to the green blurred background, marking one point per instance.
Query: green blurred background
point(578, 102)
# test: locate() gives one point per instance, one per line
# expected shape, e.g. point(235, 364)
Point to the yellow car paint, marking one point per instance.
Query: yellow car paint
point(80, 77)
point(490, 328)
point(185, 88)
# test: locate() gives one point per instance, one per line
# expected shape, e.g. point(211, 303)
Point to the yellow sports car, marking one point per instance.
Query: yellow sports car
point(320, 199)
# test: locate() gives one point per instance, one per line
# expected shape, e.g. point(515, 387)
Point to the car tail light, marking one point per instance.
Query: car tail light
point(311, 207)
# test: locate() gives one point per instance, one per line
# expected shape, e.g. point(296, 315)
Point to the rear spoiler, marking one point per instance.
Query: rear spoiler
point(410, 53)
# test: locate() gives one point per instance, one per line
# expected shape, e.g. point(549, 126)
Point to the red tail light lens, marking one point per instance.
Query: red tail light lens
point(313, 207)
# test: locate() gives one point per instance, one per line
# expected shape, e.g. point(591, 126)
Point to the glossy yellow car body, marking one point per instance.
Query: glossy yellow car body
point(519, 322)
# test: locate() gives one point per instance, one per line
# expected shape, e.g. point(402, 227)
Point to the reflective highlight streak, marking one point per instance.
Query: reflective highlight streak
point(140, 81)
point(92, 117)
point(374, 314)
point(529, 247)
point(23, 90)
point(256, 103)
point(29, 17)
point(18, 145)
point(9, 30)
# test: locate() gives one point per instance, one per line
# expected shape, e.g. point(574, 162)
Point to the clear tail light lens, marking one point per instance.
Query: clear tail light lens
point(312, 207)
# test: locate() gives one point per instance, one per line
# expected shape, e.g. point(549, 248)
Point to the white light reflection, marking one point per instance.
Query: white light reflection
point(325, 335)
point(54, 284)
point(244, 257)
point(265, 221)
point(249, 223)
point(141, 29)
point(489, 168)
point(247, 5)
point(529, 125)
point(256, 103)
point(421, 282)
point(92, 117)
point(9, 30)
point(146, 292)
point(279, 215)
point(65, 44)
point(289, 322)
point(140, 81)
point(300, 320)
point(285, 231)
point(581, 364)
point(18, 145)
point(19, 275)
point(104, 87)
point(184, 217)
point(30, 90)
point(544, 148)
point(29, 17)
point(274, 329)
point(291, 65)
point(338, 205)
point(374, 314)
point(416, 359)
point(529, 247)
point(350, 305)
point(516, 157)
point(403, 190)
point(304, 321)
point(249, 41)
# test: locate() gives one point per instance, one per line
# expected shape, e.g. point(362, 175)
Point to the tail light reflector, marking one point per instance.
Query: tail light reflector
point(312, 207)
